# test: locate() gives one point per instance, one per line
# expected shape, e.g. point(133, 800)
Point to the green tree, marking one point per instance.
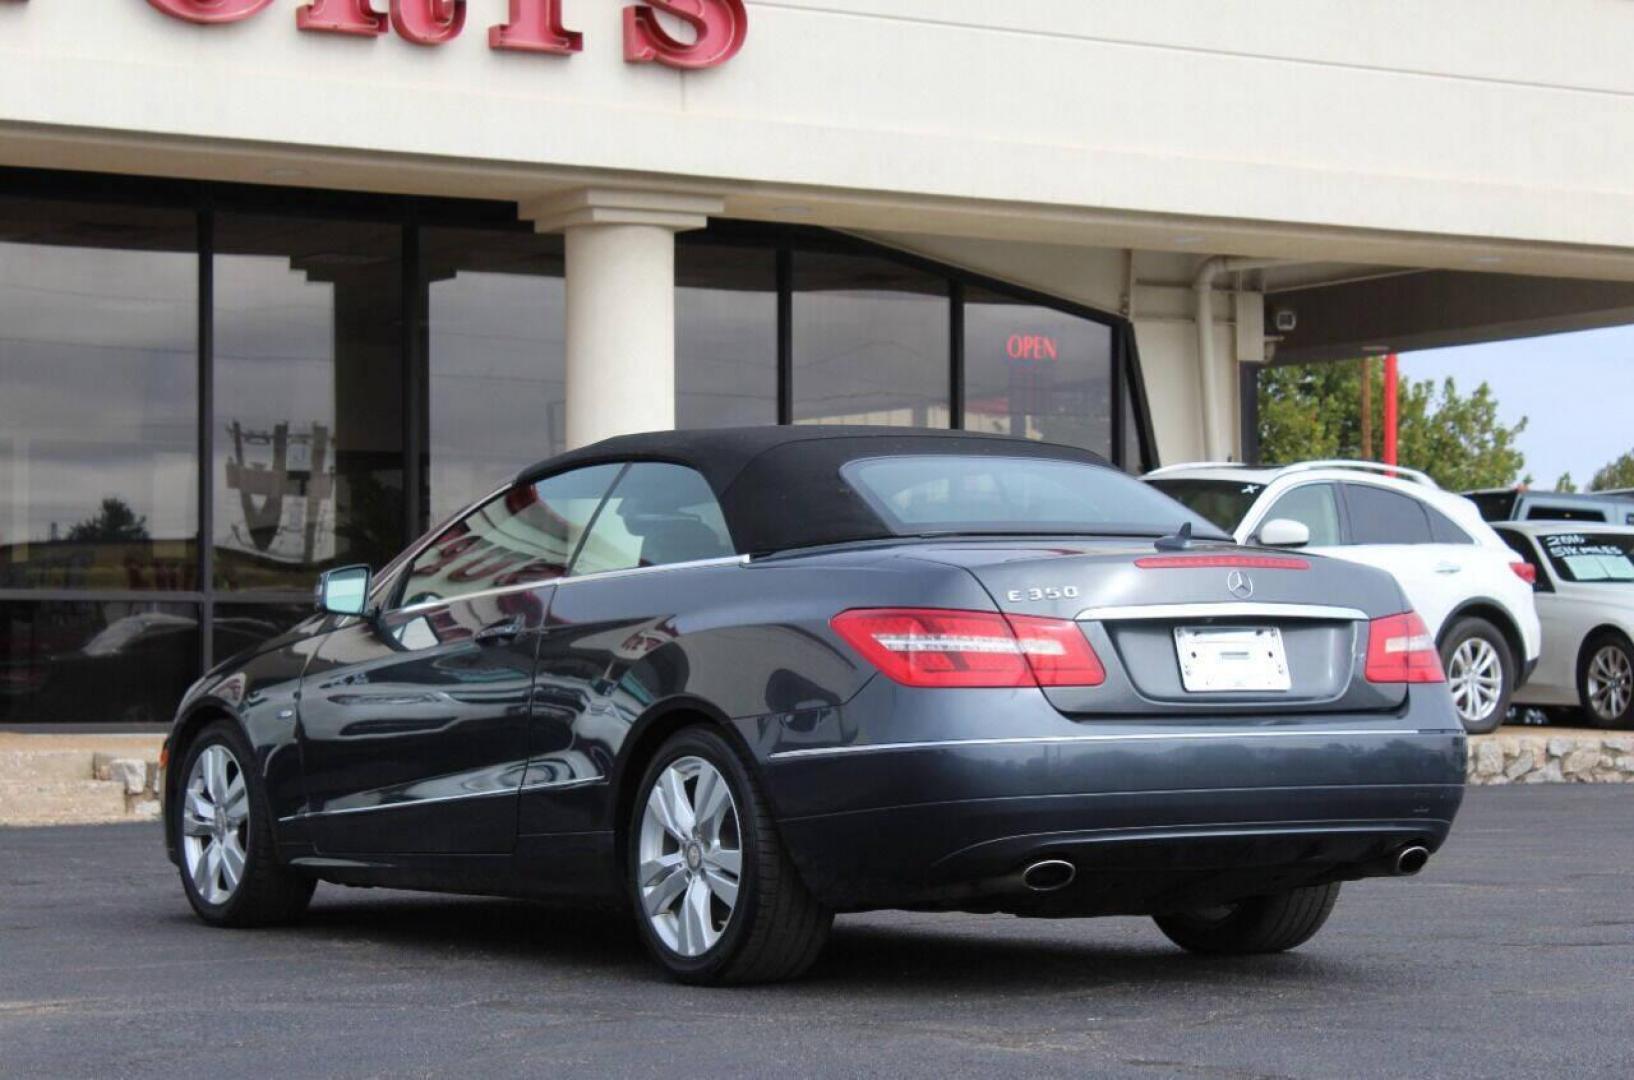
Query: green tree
point(1312, 411)
point(1617, 474)
point(114, 523)
point(1566, 483)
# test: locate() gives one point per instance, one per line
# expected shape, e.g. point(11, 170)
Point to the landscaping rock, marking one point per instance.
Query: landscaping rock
point(1575, 757)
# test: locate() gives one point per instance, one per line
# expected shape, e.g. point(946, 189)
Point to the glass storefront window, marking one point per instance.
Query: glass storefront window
point(725, 336)
point(309, 399)
point(870, 342)
point(316, 363)
point(98, 662)
point(496, 354)
point(98, 385)
point(241, 627)
point(1037, 372)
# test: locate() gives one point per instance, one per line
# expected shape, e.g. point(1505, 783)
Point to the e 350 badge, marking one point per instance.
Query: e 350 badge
point(1046, 592)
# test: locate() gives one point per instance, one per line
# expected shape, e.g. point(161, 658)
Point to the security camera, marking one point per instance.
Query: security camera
point(1286, 319)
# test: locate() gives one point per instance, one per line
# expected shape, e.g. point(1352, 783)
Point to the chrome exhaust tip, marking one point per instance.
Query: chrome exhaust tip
point(1048, 875)
point(1410, 860)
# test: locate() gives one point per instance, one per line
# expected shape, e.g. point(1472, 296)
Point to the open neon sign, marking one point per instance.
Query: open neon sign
point(1032, 347)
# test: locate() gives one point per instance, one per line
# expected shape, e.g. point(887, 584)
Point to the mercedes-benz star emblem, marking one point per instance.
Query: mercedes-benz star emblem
point(1239, 584)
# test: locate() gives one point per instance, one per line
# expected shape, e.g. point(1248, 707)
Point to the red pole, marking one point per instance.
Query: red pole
point(1390, 374)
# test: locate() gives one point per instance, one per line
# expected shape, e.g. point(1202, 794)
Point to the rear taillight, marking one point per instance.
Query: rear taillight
point(1525, 571)
point(1401, 650)
point(1057, 651)
point(936, 647)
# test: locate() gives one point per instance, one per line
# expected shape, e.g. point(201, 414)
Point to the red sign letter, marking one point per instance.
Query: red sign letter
point(721, 26)
point(428, 22)
point(535, 26)
point(341, 17)
point(210, 11)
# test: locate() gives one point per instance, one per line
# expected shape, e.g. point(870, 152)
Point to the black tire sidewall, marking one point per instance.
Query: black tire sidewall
point(1594, 645)
point(1471, 627)
point(258, 838)
point(1256, 925)
point(702, 743)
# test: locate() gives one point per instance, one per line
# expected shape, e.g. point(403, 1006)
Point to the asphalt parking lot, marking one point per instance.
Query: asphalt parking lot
point(1512, 955)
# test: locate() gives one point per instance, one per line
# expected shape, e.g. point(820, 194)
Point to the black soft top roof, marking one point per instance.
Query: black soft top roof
point(780, 487)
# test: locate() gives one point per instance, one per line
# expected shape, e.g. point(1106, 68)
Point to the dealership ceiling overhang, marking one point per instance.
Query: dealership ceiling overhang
point(356, 170)
point(1351, 291)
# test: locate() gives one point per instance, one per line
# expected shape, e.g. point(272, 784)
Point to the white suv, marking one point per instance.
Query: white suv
point(1472, 591)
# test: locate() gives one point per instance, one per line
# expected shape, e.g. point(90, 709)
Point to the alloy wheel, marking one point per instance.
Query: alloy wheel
point(215, 821)
point(690, 856)
point(1476, 679)
point(1611, 682)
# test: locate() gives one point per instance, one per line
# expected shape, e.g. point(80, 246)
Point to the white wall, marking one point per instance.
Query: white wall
point(1485, 118)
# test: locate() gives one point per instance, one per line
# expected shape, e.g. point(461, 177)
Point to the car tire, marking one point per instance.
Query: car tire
point(1480, 673)
point(1605, 681)
point(1260, 924)
point(698, 813)
point(229, 860)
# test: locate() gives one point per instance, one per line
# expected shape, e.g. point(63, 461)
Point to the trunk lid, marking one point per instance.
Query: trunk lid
point(1165, 623)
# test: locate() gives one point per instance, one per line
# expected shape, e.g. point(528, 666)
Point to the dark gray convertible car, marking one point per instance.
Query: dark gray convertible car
point(742, 680)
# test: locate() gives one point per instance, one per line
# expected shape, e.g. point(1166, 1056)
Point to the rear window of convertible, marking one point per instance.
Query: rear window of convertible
point(954, 493)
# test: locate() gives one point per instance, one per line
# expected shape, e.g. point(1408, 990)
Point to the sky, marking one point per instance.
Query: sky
point(1574, 389)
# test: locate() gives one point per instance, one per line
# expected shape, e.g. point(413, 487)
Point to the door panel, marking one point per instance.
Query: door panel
point(418, 723)
point(415, 731)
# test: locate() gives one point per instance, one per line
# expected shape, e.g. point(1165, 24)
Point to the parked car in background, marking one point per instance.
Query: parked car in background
point(1518, 504)
point(742, 679)
point(1585, 599)
point(1473, 593)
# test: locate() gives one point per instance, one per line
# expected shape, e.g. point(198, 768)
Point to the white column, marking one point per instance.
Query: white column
point(620, 248)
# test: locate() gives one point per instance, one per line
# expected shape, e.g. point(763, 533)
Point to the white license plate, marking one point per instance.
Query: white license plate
point(1221, 660)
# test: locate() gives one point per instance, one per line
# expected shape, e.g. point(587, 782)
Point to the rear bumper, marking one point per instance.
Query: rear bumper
point(1154, 816)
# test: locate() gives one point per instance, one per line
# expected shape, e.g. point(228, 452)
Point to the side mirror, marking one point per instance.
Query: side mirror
point(344, 591)
point(1282, 532)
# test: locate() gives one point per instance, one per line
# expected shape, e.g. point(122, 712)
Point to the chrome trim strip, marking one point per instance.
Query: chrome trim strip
point(403, 805)
point(410, 803)
point(1145, 736)
point(696, 564)
point(605, 575)
point(1221, 611)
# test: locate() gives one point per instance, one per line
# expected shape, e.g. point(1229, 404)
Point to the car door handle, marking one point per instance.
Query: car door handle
point(1448, 568)
point(500, 632)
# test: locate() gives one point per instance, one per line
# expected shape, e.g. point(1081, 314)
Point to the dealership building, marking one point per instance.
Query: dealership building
point(282, 282)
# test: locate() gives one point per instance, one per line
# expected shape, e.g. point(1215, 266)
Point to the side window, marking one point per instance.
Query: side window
point(1381, 516)
point(524, 535)
point(1542, 512)
point(1494, 505)
point(1443, 530)
point(1314, 506)
point(657, 515)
